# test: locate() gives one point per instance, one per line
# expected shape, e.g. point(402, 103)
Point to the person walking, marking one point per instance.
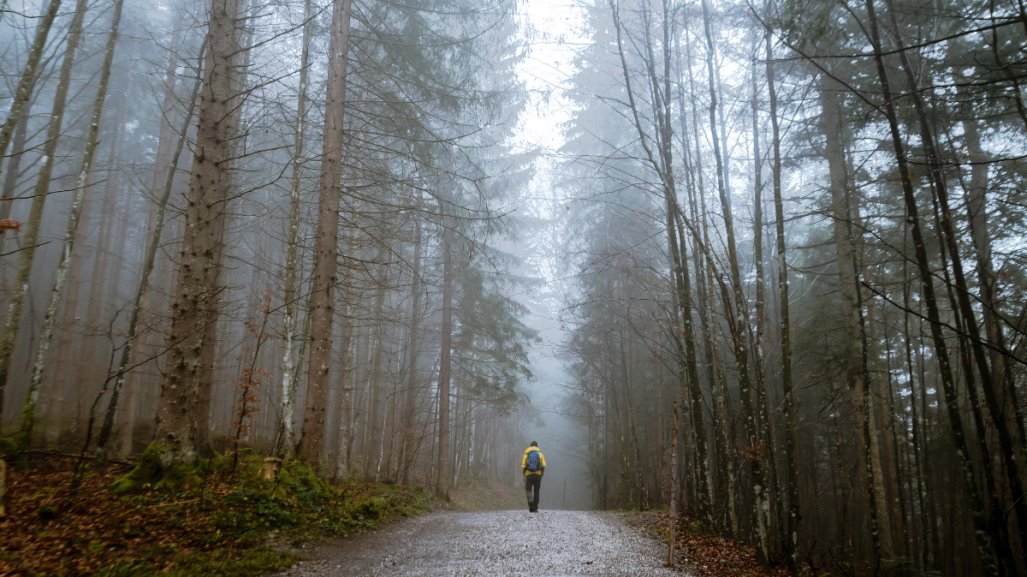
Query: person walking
point(533, 465)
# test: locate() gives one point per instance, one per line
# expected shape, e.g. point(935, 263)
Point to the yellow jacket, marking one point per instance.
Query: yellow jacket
point(524, 462)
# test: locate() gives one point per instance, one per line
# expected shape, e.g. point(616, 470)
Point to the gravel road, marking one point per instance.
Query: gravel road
point(492, 544)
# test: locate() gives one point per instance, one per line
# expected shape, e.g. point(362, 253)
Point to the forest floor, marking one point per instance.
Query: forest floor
point(234, 524)
point(217, 522)
point(703, 555)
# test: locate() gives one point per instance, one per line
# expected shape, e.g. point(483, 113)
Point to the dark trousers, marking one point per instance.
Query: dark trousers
point(532, 484)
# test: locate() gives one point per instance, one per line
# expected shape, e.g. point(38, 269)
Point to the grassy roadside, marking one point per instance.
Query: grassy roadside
point(207, 520)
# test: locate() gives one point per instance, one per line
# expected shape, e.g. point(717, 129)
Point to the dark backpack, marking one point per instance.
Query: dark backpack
point(534, 463)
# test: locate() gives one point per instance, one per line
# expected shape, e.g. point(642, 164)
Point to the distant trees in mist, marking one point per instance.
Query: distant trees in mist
point(803, 222)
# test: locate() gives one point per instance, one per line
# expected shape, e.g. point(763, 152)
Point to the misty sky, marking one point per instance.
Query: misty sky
point(545, 73)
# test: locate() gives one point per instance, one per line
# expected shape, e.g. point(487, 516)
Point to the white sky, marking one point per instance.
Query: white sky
point(547, 69)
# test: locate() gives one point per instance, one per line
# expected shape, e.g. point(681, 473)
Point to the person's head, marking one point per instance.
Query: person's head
point(534, 444)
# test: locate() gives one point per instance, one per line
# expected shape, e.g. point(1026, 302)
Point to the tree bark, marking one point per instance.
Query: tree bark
point(286, 442)
point(442, 481)
point(163, 182)
point(181, 421)
point(322, 295)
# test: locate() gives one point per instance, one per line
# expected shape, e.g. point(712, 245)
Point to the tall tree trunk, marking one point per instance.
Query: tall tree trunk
point(76, 359)
point(774, 525)
point(844, 218)
point(460, 429)
point(95, 317)
point(345, 416)
point(145, 345)
point(442, 482)
point(928, 526)
point(321, 311)
point(408, 431)
point(687, 358)
point(792, 542)
point(162, 185)
point(978, 216)
point(196, 304)
point(686, 303)
point(286, 442)
point(375, 376)
point(705, 270)
point(736, 310)
point(662, 161)
point(236, 148)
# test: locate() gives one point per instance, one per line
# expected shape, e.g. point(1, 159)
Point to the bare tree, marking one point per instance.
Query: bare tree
point(23, 93)
point(736, 310)
point(286, 442)
point(41, 192)
point(71, 232)
point(791, 545)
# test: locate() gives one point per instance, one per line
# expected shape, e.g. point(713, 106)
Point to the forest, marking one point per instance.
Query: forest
point(784, 242)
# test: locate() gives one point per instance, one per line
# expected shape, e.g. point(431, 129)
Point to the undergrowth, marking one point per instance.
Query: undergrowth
point(210, 519)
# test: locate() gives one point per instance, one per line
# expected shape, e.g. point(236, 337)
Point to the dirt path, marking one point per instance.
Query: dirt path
point(493, 544)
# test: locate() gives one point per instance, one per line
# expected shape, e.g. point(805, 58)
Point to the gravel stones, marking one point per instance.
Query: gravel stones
point(493, 544)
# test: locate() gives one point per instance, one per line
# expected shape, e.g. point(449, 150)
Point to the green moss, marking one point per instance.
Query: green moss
point(372, 509)
point(156, 469)
point(151, 468)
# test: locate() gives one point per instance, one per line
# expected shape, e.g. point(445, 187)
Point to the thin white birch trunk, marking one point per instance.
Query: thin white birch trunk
point(31, 239)
point(287, 441)
point(23, 93)
point(71, 232)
